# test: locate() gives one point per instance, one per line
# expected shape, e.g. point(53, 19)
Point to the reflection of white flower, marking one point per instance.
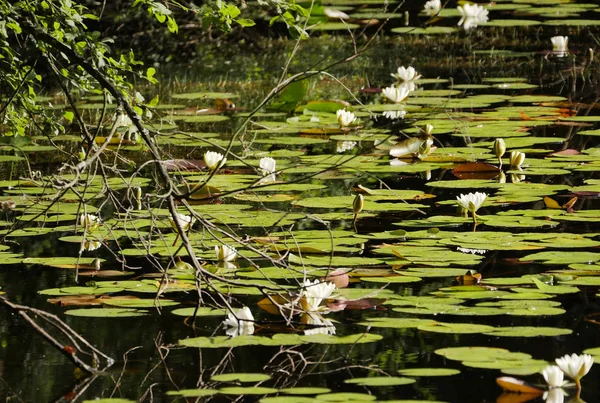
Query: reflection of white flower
point(315, 292)
point(575, 366)
point(225, 253)
point(239, 324)
point(344, 117)
point(325, 325)
point(406, 74)
point(332, 13)
point(214, 160)
point(472, 251)
point(89, 221)
point(472, 15)
point(559, 43)
point(553, 376)
point(394, 114)
point(396, 94)
point(185, 221)
point(343, 146)
point(555, 395)
point(472, 201)
point(432, 7)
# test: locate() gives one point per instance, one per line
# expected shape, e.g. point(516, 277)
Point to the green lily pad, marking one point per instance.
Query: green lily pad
point(429, 371)
point(247, 390)
point(105, 313)
point(380, 381)
point(241, 377)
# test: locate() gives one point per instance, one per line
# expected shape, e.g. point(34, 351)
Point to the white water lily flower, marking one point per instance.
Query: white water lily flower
point(471, 201)
point(344, 117)
point(242, 323)
point(90, 221)
point(432, 7)
point(394, 114)
point(325, 326)
point(554, 395)
point(559, 43)
point(90, 245)
point(214, 160)
point(472, 15)
point(268, 168)
point(554, 376)
point(185, 221)
point(225, 253)
point(333, 13)
point(314, 293)
point(516, 159)
point(396, 94)
point(406, 74)
point(343, 146)
point(575, 366)
point(267, 165)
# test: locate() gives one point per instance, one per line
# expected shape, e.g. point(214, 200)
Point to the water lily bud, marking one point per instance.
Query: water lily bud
point(428, 129)
point(499, 148)
point(516, 159)
point(425, 147)
point(358, 204)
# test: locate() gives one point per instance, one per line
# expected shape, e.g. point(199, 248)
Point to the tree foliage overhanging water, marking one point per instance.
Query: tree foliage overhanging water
point(294, 219)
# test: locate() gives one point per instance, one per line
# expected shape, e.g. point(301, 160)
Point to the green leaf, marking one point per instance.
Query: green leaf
point(150, 76)
point(68, 115)
point(245, 22)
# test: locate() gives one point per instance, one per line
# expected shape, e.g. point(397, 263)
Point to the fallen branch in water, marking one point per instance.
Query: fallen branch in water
point(78, 344)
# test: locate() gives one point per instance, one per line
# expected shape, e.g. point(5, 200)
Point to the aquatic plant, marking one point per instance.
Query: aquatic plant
point(553, 376)
point(344, 118)
point(225, 253)
point(472, 15)
point(396, 94)
point(214, 160)
point(575, 366)
point(406, 74)
point(240, 322)
point(432, 7)
point(314, 292)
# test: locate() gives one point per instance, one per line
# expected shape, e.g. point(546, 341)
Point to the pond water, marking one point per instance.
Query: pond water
point(439, 303)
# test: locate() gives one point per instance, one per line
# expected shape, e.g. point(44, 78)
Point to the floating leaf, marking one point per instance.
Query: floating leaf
point(241, 377)
point(380, 381)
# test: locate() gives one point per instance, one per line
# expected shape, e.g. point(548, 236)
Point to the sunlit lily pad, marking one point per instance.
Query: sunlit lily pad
point(429, 371)
point(241, 377)
point(526, 331)
point(106, 313)
point(345, 397)
point(380, 381)
point(247, 390)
